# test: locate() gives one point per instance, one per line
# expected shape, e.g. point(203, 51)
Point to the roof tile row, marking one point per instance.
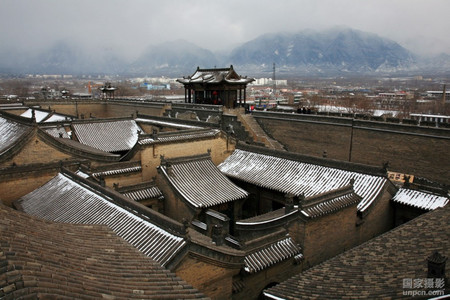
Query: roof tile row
point(271, 254)
point(45, 260)
point(299, 178)
point(200, 182)
point(64, 200)
point(420, 199)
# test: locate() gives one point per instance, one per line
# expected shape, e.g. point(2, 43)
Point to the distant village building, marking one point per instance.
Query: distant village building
point(216, 86)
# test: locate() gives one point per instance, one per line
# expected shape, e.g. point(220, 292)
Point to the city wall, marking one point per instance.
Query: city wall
point(101, 109)
point(409, 149)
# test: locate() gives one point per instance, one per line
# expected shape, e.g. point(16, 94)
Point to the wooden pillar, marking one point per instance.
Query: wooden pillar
point(190, 95)
point(245, 94)
point(185, 95)
point(240, 96)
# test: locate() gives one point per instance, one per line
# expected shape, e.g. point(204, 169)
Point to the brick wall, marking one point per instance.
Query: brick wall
point(13, 188)
point(124, 179)
point(36, 151)
point(327, 236)
point(214, 281)
point(255, 283)
point(150, 154)
point(104, 110)
point(380, 216)
point(15, 182)
point(174, 207)
point(409, 149)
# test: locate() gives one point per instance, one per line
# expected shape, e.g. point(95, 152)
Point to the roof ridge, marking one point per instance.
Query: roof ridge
point(185, 159)
point(329, 195)
point(102, 120)
point(16, 118)
point(326, 162)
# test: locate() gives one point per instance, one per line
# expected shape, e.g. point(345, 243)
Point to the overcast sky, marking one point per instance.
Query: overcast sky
point(129, 26)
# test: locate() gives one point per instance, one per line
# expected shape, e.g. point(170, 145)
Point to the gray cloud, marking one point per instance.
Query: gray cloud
point(131, 26)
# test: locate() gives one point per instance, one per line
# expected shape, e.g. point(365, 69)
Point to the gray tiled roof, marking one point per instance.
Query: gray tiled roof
point(200, 182)
point(57, 131)
point(271, 254)
point(46, 260)
point(10, 133)
point(216, 75)
point(420, 199)
point(377, 268)
point(117, 169)
point(63, 199)
point(85, 148)
point(144, 193)
point(109, 136)
point(342, 198)
point(299, 178)
point(44, 116)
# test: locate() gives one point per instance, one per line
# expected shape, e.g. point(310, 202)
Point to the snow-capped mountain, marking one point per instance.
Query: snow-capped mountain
point(336, 51)
point(340, 51)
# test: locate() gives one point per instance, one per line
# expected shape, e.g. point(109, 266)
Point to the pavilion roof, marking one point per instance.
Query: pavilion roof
point(216, 76)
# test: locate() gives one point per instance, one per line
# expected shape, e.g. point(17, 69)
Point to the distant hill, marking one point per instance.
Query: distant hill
point(175, 58)
point(333, 51)
point(340, 51)
point(60, 58)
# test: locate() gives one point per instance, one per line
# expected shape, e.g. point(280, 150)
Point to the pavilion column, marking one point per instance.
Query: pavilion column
point(245, 95)
point(190, 95)
point(240, 96)
point(185, 95)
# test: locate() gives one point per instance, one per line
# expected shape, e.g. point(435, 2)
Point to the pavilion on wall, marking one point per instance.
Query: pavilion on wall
point(108, 91)
point(216, 86)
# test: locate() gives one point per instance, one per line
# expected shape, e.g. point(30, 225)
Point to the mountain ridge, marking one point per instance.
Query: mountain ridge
point(338, 51)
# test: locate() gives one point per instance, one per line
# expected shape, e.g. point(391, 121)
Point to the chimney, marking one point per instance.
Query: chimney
point(436, 265)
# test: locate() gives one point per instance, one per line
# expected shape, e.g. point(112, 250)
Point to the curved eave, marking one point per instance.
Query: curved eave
point(199, 204)
point(17, 145)
point(82, 151)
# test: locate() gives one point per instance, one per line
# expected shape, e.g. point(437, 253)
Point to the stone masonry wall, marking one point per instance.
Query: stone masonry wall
point(36, 151)
point(329, 235)
point(104, 110)
point(150, 154)
point(214, 281)
point(409, 149)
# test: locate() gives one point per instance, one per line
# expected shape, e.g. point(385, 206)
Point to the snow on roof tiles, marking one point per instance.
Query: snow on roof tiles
point(39, 115)
point(68, 261)
point(270, 255)
point(144, 193)
point(109, 136)
point(64, 200)
point(55, 132)
point(200, 182)
point(10, 133)
point(299, 178)
point(420, 199)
